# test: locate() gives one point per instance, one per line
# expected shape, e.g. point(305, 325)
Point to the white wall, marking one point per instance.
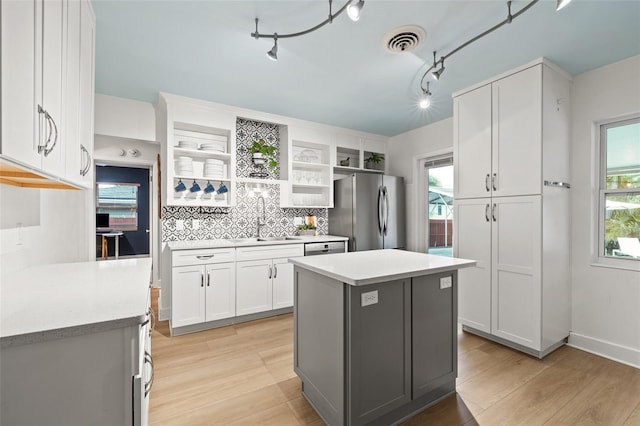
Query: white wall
point(114, 145)
point(606, 301)
point(53, 225)
point(403, 154)
point(124, 118)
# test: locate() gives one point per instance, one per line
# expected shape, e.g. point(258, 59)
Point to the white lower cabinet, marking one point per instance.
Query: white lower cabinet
point(265, 277)
point(502, 294)
point(473, 220)
point(254, 286)
point(209, 285)
point(202, 290)
point(282, 283)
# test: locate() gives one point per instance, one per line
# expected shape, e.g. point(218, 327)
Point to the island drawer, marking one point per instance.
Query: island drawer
point(270, 252)
point(202, 256)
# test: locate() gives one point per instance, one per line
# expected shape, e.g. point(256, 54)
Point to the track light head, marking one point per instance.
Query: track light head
point(354, 9)
point(562, 3)
point(273, 53)
point(436, 74)
point(425, 100)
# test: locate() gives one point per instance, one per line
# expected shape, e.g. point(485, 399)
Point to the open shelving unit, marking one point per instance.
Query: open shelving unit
point(310, 180)
point(351, 160)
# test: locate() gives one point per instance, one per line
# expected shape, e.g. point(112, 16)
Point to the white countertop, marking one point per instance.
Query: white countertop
point(58, 300)
point(373, 266)
point(246, 242)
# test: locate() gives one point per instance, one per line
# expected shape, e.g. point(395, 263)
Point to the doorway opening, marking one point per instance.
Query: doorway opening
point(123, 213)
point(439, 205)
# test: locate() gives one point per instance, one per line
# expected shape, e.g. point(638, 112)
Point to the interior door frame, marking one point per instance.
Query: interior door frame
point(154, 225)
point(421, 178)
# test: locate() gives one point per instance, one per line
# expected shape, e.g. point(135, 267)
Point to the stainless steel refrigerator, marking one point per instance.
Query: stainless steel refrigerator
point(370, 210)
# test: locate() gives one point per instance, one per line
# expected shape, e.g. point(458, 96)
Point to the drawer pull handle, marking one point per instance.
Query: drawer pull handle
point(205, 256)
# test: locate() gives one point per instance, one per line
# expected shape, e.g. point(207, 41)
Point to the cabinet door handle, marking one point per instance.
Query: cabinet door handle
point(152, 318)
point(205, 257)
point(85, 157)
point(493, 181)
point(41, 131)
point(202, 279)
point(486, 182)
point(148, 359)
point(486, 212)
point(493, 212)
point(47, 150)
point(208, 279)
point(270, 271)
point(275, 271)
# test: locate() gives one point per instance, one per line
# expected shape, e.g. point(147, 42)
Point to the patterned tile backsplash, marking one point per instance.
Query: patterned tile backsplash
point(241, 221)
point(248, 131)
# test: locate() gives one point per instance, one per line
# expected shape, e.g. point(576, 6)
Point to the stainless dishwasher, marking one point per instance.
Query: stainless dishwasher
point(314, 249)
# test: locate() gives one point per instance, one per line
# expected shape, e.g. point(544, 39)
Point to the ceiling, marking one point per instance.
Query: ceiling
point(341, 74)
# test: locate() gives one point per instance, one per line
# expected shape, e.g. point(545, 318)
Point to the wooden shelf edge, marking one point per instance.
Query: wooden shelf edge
point(15, 175)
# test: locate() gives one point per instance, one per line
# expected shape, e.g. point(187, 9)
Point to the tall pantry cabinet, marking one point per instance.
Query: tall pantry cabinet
point(511, 162)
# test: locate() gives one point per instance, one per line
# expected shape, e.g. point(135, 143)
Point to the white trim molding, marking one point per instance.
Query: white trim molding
point(603, 348)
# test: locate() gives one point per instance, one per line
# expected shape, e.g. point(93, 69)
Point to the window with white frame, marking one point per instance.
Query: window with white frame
point(619, 207)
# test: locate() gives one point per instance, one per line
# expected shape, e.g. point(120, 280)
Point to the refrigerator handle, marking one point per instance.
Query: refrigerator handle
point(380, 213)
point(386, 210)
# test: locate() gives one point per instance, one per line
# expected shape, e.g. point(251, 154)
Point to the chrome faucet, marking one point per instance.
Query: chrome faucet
point(261, 220)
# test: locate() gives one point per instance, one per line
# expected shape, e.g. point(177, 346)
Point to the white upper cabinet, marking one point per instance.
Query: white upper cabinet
point(498, 137)
point(79, 93)
point(472, 143)
point(45, 60)
point(516, 167)
point(52, 144)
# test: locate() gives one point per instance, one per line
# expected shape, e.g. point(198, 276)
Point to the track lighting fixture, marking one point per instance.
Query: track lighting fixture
point(437, 72)
point(354, 7)
point(273, 53)
point(425, 100)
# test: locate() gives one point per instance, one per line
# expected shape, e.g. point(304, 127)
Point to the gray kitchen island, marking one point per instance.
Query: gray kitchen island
point(375, 333)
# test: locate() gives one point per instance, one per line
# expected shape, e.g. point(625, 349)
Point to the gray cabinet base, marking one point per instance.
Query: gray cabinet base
point(516, 346)
point(177, 331)
point(398, 415)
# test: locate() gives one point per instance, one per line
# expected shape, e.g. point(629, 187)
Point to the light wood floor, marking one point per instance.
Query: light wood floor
point(243, 375)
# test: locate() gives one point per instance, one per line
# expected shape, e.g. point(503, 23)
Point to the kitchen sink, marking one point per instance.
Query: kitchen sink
point(242, 240)
point(252, 240)
point(278, 238)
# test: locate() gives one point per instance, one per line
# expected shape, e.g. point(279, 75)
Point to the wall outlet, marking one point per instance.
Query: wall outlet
point(297, 221)
point(195, 224)
point(445, 282)
point(180, 225)
point(369, 298)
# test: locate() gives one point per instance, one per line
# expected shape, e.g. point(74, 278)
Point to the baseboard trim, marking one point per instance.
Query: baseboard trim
point(605, 349)
point(164, 314)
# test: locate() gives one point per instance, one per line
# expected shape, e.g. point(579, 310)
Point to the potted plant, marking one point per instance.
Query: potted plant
point(305, 229)
point(262, 154)
point(374, 158)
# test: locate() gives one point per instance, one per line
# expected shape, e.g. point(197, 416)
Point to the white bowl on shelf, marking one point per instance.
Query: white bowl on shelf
point(188, 144)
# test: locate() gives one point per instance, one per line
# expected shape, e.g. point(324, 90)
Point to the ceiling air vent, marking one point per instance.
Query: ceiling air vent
point(404, 39)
